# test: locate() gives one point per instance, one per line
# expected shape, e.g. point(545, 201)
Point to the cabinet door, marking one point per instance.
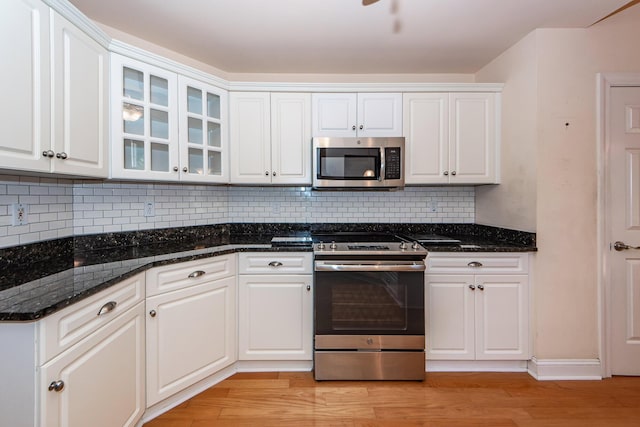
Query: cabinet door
point(275, 317)
point(144, 121)
point(291, 138)
point(80, 100)
point(472, 148)
point(502, 317)
point(190, 335)
point(334, 114)
point(203, 135)
point(379, 114)
point(449, 312)
point(426, 132)
point(103, 377)
point(25, 85)
point(250, 138)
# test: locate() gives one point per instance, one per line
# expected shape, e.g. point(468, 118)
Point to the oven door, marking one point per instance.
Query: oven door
point(369, 297)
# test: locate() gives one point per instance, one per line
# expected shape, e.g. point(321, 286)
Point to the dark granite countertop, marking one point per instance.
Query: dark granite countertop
point(39, 279)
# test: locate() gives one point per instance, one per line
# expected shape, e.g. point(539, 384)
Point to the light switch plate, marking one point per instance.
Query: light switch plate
point(20, 214)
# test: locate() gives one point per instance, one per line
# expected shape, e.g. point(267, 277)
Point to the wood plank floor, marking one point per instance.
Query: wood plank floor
point(442, 400)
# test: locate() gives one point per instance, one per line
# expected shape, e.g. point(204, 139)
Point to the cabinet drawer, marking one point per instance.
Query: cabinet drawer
point(275, 263)
point(506, 263)
point(66, 327)
point(190, 273)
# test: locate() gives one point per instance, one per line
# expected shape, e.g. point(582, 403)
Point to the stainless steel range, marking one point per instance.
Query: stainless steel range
point(368, 307)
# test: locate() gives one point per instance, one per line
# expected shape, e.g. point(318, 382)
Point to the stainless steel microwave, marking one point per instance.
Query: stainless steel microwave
point(358, 163)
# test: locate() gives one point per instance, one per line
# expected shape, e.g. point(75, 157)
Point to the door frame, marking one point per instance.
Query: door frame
point(604, 83)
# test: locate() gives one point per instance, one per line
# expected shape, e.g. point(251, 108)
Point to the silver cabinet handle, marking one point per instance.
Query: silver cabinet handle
point(475, 264)
point(184, 169)
point(308, 288)
point(196, 273)
point(61, 155)
point(472, 287)
point(176, 169)
point(446, 173)
point(56, 386)
point(453, 173)
point(107, 308)
point(481, 287)
point(361, 127)
point(274, 174)
point(621, 246)
point(48, 153)
point(275, 264)
point(153, 313)
point(266, 173)
point(353, 127)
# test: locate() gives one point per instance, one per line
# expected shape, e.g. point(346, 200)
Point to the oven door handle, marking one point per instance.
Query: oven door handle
point(411, 266)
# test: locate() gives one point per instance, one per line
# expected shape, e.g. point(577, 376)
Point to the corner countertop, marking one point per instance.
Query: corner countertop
point(30, 291)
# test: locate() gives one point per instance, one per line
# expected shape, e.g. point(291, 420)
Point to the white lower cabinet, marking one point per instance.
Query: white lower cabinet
point(191, 330)
point(275, 308)
point(478, 309)
point(99, 382)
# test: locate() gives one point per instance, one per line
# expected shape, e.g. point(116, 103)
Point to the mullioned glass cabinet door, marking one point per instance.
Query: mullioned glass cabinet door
point(203, 133)
point(144, 121)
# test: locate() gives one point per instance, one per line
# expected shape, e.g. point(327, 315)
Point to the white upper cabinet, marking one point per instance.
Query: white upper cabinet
point(144, 121)
point(361, 114)
point(451, 138)
point(203, 139)
point(270, 141)
point(80, 102)
point(54, 114)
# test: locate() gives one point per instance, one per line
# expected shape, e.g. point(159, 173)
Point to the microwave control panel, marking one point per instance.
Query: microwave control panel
point(392, 163)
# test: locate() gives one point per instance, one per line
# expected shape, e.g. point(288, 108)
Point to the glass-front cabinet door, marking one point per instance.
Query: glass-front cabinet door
point(203, 134)
point(144, 121)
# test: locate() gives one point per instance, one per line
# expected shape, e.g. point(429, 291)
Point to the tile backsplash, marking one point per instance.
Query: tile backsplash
point(61, 207)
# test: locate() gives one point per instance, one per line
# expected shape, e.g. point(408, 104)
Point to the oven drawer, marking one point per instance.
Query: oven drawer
point(468, 263)
point(275, 263)
point(369, 365)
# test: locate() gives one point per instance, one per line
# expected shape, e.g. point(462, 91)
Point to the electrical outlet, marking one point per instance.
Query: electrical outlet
point(275, 207)
point(149, 209)
point(432, 206)
point(20, 214)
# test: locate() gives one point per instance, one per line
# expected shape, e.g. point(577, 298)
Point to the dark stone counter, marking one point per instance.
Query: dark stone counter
point(39, 279)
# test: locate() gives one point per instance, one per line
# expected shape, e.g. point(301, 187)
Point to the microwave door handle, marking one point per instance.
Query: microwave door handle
point(382, 164)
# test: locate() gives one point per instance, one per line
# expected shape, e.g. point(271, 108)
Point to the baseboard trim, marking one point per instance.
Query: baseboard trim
point(565, 369)
point(476, 366)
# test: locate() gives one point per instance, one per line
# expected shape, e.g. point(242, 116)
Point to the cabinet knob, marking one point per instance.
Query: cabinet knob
point(474, 264)
point(353, 127)
point(446, 173)
point(361, 127)
point(453, 173)
point(481, 287)
point(472, 287)
point(275, 264)
point(56, 386)
point(175, 169)
point(184, 169)
point(48, 153)
point(152, 313)
point(266, 173)
point(62, 155)
point(308, 288)
point(274, 174)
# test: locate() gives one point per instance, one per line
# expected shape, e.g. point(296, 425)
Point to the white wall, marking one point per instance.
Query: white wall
point(565, 63)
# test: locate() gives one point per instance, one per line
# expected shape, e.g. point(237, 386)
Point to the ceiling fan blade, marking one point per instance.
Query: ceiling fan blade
point(368, 2)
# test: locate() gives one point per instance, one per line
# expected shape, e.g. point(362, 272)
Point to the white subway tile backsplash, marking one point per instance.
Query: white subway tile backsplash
point(62, 208)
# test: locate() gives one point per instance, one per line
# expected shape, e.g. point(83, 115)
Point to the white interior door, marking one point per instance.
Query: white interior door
point(624, 219)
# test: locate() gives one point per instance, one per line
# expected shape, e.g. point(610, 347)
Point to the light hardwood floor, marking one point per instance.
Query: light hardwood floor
point(442, 400)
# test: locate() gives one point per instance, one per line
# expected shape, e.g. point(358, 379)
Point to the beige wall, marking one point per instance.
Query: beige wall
point(565, 63)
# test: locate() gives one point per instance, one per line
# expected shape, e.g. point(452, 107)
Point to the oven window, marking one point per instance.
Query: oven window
point(369, 302)
point(349, 163)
